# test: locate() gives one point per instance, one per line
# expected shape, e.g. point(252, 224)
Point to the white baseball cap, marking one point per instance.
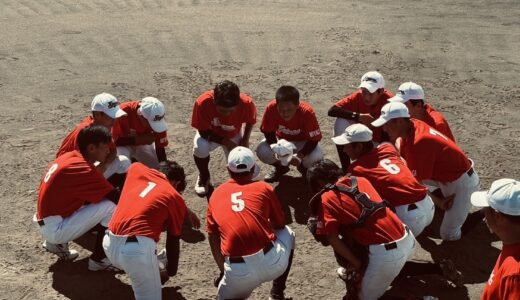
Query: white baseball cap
point(353, 134)
point(391, 110)
point(408, 91)
point(504, 196)
point(284, 151)
point(241, 159)
point(153, 110)
point(108, 104)
point(372, 81)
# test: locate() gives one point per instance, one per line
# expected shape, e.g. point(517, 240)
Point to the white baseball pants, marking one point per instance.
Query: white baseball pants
point(384, 265)
point(267, 155)
point(418, 217)
point(119, 165)
point(202, 147)
point(59, 230)
point(143, 153)
point(139, 262)
point(240, 279)
point(340, 125)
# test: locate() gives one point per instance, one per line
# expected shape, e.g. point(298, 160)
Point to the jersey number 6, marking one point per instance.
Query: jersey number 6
point(238, 204)
point(390, 167)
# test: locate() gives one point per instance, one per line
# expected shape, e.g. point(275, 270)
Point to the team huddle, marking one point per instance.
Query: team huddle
point(399, 163)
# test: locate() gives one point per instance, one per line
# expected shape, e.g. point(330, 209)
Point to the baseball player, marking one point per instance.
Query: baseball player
point(436, 161)
point(502, 211)
point(150, 203)
point(350, 208)
point(218, 116)
point(105, 112)
point(141, 134)
point(247, 234)
point(293, 120)
point(363, 106)
point(412, 95)
point(69, 184)
point(387, 172)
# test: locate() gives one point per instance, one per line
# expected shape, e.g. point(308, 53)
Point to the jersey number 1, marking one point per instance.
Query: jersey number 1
point(238, 204)
point(150, 186)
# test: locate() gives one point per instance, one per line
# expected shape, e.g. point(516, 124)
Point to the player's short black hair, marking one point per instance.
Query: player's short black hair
point(174, 172)
point(240, 175)
point(287, 93)
point(93, 135)
point(227, 94)
point(367, 146)
point(416, 101)
point(324, 170)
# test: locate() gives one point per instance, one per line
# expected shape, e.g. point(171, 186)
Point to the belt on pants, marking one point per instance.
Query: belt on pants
point(393, 245)
point(412, 207)
point(41, 222)
point(131, 239)
point(240, 259)
point(470, 171)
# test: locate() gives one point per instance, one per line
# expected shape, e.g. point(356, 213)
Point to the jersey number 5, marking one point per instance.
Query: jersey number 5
point(148, 188)
point(390, 167)
point(238, 204)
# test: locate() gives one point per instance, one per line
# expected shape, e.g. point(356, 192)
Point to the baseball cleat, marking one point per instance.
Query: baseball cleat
point(62, 250)
point(103, 265)
point(342, 273)
point(275, 174)
point(202, 188)
point(450, 272)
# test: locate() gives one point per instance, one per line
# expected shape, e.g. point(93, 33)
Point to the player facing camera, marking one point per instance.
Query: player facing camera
point(227, 97)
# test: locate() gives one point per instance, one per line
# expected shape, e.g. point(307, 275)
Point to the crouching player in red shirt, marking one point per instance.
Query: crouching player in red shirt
point(389, 242)
point(247, 234)
point(150, 203)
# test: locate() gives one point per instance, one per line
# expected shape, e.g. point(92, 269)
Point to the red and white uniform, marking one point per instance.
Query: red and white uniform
point(504, 281)
point(69, 183)
point(205, 117)
point(119, 165)
point(436, 160)
point(382, 228)
point(354, 102)
point(395, 183)
point(132, 125)
point(437, 121)
point(302, 127)
point(148, 205)
point(241, 213)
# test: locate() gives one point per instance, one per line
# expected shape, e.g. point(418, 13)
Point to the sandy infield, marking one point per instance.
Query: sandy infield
point(56, 55)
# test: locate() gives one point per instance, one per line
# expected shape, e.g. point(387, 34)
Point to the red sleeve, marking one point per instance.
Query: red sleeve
point(199, 119)
point(161, 139)
point(177, 211)
point(89, 183)
point(211, 225)
point(444, 128)
point(120, 128)
point(311, 127)
point(346, 103)
point(267, 120)
point(276, 213)
point(510, 287)
point(251, 113)
point(327, 223)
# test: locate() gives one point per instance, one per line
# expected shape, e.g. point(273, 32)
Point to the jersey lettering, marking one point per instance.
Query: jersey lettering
point(150, 186)
point(389, 166)
point(52, 169)
point(435, 132)
point(238, 204)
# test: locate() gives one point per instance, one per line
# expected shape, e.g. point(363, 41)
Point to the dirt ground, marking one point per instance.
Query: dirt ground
point(56, 55)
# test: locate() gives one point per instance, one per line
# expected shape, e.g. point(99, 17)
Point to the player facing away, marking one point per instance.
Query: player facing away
point(387, 172)
point(339, 218)
point(290, 119)
point(74, 197)
point(218, 116)
point(141, 134)
point(412, 95)
point(150, 203)
point(105, 111)
point(247, 234)
point(362, 106)
point(501, 205)
point(436, 161)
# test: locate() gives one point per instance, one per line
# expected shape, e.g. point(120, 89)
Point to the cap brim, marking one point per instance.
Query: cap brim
point(340, 140)
point(397, 99)
point(480, 199)
point(158, 126)
point(379, 122)
point(115, 113)
point(371, 87)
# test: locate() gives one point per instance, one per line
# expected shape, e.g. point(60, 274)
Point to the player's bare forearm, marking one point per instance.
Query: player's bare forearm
point(344, 251)
point(214, 243)
point(172, 253)
point(247, 134)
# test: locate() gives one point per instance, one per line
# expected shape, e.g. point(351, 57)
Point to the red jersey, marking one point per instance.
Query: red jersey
point(389, 175)
point(242, 213)
point(132, 125)
point(70, 142)
point(340, 209)
point(504, 282)
point(354, 103)
point(302, 127)
point(148, 205)
point(431, 155)
point(205, 116)
point(69, 183)
point(437, 121)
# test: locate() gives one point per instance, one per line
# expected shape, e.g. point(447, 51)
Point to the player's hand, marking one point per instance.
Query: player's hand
point(217, 279)
point(366, 119)
point(164, 276)
point(354, 266)
point(193, 219)
point(145, 139)
point(229, 144)
point(295, 161)
point(244, 143)
point(444, 203)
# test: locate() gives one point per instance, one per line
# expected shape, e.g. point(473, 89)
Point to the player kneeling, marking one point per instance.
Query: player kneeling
point(348, 211)
point(247, 234)
point(150, 201)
